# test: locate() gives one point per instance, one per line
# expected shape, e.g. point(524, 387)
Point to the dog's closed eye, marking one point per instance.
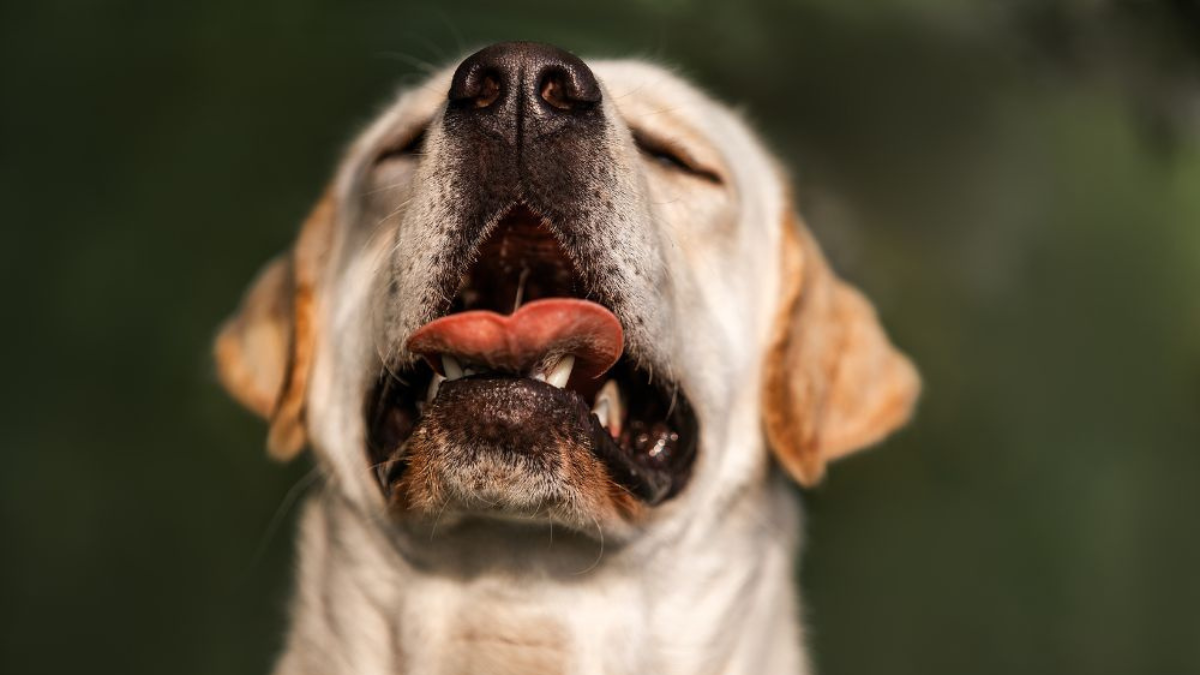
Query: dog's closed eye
point(672, 157)
point(408, 147)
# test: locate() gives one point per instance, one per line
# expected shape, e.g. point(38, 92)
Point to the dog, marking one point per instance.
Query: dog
point(558, 340)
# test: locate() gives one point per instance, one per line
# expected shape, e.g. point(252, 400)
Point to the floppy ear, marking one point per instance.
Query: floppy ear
point(264, 351)
point(834, 383)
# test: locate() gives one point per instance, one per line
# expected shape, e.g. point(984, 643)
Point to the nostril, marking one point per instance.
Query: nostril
point(476, 85)
point(553, 90)
point(489, 91)
point(520, 73)
point(570, 88)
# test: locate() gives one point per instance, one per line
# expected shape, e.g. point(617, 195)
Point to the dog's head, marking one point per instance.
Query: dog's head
point(559, 292)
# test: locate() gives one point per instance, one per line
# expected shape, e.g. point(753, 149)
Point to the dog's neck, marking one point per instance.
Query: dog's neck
point(720, 601)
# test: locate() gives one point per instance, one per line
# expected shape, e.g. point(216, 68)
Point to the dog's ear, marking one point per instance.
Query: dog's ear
point(264, 351)
point(834, 383)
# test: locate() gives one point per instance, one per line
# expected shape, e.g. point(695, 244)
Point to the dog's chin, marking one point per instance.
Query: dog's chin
point(510, 448)
point(519, 448)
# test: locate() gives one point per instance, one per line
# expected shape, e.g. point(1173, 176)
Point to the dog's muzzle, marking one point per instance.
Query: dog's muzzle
point(526, 363)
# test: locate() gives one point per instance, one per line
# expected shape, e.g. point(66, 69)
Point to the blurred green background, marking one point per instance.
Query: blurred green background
point(1017, 185)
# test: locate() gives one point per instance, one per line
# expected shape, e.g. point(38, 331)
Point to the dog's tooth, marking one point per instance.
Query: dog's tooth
point(600, 410)
point(608, 407)
point(434, 384)
point(451, 367)
point(562, 372)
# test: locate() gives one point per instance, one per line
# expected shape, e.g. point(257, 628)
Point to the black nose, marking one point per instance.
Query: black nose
point(525, 124)
point(509, 76)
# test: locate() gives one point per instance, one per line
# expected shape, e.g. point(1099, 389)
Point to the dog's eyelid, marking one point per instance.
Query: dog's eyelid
point(409, 145)
point(674, 156)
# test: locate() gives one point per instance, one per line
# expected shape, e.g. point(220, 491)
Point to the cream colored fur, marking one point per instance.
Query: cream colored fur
point(705, 583)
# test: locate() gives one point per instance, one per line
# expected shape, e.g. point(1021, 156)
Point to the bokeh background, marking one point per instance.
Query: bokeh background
point(1017, 185)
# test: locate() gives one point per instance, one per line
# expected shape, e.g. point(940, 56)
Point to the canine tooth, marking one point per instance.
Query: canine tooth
point(562, 372)
point(434, 384)
point(608, 407)
point(451, 367)
point(600, 410)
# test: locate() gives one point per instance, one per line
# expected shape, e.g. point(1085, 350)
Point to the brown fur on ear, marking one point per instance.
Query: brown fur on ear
point(834, 383)
point(264, 351)
point(252, 346)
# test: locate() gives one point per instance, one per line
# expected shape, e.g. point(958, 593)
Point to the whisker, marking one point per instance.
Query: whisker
point(430, 45)
point(289, 500)
point(411, 60)
point(600, 533)
point(396, 211)
point(436, 521)
point(458, 38)
point(551, 521)
point(660, 111)
point(382, 188)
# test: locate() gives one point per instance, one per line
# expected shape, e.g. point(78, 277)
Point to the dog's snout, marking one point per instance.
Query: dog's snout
point(526, 137)
point(509, 78)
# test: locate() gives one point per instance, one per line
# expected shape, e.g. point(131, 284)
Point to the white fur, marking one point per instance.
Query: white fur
point(705, 585)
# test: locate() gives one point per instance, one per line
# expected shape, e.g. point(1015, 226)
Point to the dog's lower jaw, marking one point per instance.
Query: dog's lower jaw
point(719, 604)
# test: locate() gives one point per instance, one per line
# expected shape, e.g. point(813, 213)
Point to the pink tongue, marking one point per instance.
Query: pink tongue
point(537, 332)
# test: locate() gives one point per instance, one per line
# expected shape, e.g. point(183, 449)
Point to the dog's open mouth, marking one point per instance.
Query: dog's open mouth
point(521, 360)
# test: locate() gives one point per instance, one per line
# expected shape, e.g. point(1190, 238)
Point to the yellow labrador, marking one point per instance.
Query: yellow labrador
point(544, 332)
